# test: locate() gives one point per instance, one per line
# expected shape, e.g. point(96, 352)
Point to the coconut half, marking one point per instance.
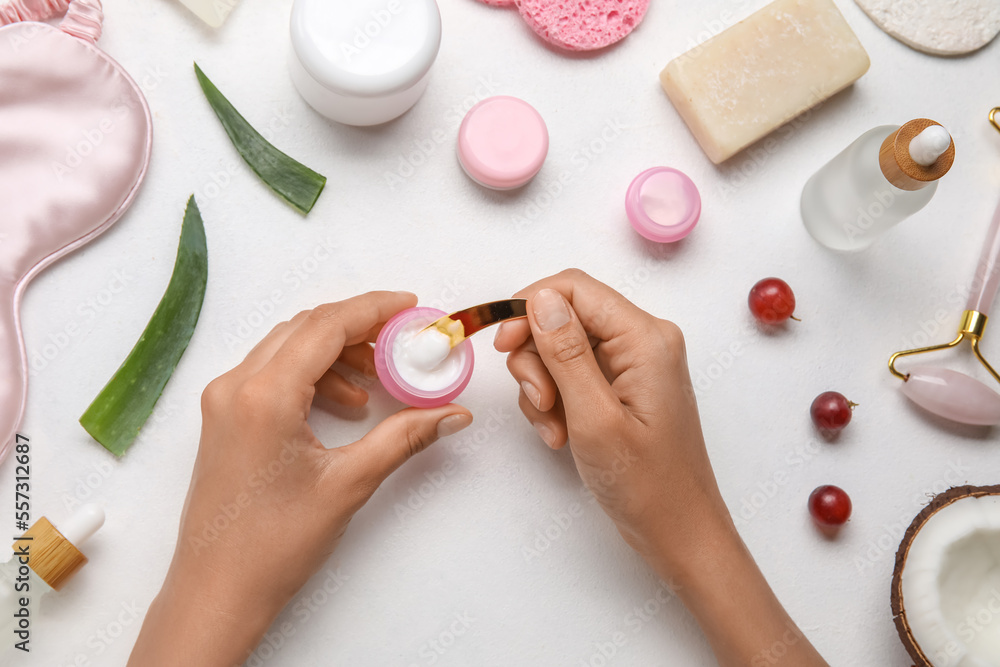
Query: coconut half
point(946, 583)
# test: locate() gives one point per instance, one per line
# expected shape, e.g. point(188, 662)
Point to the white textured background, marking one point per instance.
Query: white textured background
point(455, 244)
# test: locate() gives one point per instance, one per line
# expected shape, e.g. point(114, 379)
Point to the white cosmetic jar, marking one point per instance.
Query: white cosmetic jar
point(363, 62)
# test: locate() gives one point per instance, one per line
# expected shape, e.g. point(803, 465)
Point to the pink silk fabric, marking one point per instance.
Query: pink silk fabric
point(75, 139)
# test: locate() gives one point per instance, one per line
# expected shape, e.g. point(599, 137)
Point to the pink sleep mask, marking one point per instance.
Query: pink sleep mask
point(75, 137)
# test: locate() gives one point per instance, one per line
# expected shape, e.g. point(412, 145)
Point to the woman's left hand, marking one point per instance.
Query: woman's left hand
point(268, 502)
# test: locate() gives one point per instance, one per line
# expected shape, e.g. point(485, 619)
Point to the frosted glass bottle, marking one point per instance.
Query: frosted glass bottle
point(875, 183)
point(9, 602)
point(53, 558)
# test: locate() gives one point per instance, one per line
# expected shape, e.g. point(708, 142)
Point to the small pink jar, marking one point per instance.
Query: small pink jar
point(421, 390)
point(663, 204)
point(502, 142)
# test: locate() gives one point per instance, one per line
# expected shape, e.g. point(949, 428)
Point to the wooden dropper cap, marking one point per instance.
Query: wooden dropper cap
point(900, 169)
point(53, 558)
point(52, 554)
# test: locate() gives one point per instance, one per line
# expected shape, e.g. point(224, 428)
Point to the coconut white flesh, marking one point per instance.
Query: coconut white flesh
point(951, 584)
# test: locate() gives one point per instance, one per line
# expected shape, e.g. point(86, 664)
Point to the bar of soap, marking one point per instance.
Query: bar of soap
point(212, 12)
point(750, 79)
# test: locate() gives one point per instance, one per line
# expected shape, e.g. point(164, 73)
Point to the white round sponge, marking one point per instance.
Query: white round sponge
point(938, 27)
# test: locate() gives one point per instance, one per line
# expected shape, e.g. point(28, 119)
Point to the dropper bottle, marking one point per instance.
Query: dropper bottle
point(44, 560)
point(887, 174)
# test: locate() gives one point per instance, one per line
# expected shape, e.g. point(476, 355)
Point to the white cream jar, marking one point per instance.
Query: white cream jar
point(363, 62)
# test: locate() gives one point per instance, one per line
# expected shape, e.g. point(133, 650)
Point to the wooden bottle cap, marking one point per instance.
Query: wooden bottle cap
point(900, 169)
point(53, 558)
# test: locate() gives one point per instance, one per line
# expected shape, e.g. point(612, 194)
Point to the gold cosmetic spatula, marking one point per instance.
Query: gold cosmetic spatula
point(460, 325)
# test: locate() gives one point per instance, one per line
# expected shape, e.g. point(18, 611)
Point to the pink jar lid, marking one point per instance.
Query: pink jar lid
point(461, 360)
point(663, 204)
point(502, 142)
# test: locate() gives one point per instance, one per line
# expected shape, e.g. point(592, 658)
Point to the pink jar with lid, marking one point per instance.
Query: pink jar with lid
point(502, 142)
point(663, 204)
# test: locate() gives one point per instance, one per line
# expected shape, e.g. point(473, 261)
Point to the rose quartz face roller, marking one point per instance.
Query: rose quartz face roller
point(75, 138)
point(948, 393)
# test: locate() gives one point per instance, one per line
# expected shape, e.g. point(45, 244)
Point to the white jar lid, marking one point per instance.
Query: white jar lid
point(366, 47)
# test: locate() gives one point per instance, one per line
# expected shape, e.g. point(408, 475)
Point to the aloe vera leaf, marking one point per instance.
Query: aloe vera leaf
point(294, 182)
point(123, 406)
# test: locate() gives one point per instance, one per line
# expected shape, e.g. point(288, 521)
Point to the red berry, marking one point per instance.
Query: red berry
point(772, 301)
point(830, 505)
point(831, 411)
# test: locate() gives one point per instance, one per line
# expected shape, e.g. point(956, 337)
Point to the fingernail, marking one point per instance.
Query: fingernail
point(452, 424)
point(551, 311)
point(532, 393)
point(497, 336)
point(404, 293)
point(546, 434)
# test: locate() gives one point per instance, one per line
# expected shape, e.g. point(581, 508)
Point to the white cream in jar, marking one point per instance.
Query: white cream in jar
point(425, 358)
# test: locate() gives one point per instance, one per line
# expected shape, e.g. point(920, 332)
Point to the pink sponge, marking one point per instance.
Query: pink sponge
point(582, 25)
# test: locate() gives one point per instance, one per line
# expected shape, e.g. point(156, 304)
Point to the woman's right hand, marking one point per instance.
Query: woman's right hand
point(613, 380)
